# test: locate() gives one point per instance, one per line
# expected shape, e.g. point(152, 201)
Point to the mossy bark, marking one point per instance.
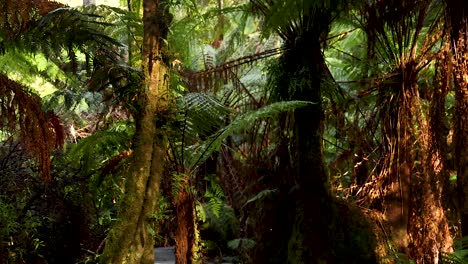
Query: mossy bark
point(130, 241)
point(313, 212)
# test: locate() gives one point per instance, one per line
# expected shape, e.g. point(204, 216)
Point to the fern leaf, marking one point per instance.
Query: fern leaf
point(241, 244)
point(261, 196)
point(243, 122)
point(21, 112)
point(95, 150)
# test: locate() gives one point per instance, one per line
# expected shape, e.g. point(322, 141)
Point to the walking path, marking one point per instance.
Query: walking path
point(164, 255)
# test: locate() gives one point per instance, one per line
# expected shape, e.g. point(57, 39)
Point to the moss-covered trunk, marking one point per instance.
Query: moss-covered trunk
point(309, 241)
point(130, 241)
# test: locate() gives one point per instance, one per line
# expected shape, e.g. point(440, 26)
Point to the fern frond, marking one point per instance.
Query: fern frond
point(94, 151)
point(22, 16)
point(206, 80)
point(21, 112)
point(215, 197)
point(459, 254)
point(241, 244)
point(261, 196)
point(177, 183)
point(124, 82)
point(241, 123)
point(205, 114)
point(65, 27)
point(458, 257)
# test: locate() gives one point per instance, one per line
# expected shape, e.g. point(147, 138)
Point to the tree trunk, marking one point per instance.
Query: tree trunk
point(309, 240)
point(457, 11)
point(186, 226)
point(312, 213)
point(129, 240)
point(428, 229)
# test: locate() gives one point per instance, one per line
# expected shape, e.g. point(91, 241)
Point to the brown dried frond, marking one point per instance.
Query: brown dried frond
point(114, 162)
point(208, 80)
point(18, 16)
point(21, 113)
point(56, 125)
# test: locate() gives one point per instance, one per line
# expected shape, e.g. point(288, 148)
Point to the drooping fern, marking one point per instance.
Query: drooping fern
point(21, 113)
point(64, 29)
point(261, 196)
point(214, 196)
point(459, 255)
point(239, 124)
point(94, 151)
point(241, 244)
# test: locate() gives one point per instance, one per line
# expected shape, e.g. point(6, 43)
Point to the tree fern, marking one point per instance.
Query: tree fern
point(93, 151)
point(21, 113)
point(241, 123)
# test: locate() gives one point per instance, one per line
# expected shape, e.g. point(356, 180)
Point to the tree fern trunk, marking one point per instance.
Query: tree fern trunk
point(130, 241)
point(457, 12)
point(185, 229)
point(309, 241)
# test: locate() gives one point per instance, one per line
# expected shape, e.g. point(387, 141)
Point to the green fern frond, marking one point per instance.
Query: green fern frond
point(241, 244)
point(205, 114)
point(458, 257)
point(459, 254)
point(261, 196)
point(215, 197)
point(288, 18)
point(93, 151)
point(241, 123)
point(177, 183)
point(124, 83)
point(199, 116)
point(201, 213)
point(63, 27)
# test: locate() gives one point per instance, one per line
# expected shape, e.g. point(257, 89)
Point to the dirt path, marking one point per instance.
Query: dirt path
point(164, 255)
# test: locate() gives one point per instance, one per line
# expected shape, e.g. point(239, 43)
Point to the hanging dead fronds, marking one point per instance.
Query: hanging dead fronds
point(21, 113)
point(209, 79)
point(19, 16)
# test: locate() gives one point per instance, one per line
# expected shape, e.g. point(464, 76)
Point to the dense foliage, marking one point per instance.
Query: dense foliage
point(290, 131)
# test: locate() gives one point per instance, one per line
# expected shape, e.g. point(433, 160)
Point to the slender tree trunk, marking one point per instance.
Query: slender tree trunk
point(186, 226)
point(130, 241)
